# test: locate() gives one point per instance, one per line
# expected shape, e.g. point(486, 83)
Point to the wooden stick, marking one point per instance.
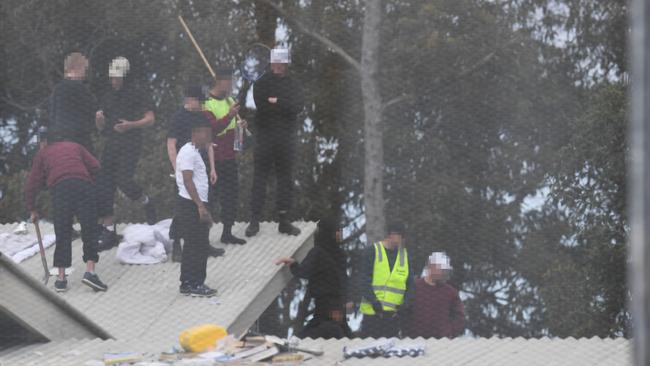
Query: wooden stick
point(196, 46)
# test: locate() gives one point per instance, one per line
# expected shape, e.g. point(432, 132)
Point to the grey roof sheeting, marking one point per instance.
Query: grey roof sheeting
point(443, 352)
point(143, 300)
point(48, 315)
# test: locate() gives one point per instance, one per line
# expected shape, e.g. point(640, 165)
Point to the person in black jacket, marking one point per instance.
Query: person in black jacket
point(125, 112)
point(71, 111)
point(279, 99)
point(325, 268)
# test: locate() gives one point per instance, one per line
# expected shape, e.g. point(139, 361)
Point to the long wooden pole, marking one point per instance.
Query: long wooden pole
point(197, 47)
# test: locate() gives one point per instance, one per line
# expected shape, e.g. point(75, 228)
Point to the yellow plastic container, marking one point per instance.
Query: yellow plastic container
point(201, 338)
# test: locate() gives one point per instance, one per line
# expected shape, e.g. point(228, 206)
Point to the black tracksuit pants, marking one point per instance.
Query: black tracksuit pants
point(119, 162)
point(387, 325)
point(228, 190)
point(274, 152)
point(70, 198)
point(196, 241)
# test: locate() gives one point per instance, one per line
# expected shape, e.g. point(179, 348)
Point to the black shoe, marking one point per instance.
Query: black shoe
point(285, 227)
point(197, 290)
point(107, 240)
point(177, 251)
point(252, 229)
point(185, 288)
point(61, 285)
point(150, 212)
point(228, 238)
point(215, 252)
point(92, 280)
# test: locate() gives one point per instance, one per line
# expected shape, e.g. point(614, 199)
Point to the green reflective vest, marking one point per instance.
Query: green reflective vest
point(221, 107)
point(389, 287)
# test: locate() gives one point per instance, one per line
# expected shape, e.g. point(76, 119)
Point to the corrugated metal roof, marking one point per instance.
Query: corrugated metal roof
point(492, 351)
point(145, 313)
point(456, 352)
point(143, 300)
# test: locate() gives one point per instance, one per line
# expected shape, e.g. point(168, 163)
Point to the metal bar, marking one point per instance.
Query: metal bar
point(639, 193)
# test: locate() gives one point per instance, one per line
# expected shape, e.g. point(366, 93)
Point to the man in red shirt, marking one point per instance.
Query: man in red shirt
point(67, 169)
point(437, 310)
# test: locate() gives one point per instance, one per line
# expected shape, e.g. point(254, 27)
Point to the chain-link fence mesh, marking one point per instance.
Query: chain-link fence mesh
point(492, 131)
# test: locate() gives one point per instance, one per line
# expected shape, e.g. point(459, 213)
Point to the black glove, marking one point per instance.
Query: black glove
point(379, 309)
point(403, 310)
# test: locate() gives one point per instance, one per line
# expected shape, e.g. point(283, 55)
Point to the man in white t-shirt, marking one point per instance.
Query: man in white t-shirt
point(192, 216)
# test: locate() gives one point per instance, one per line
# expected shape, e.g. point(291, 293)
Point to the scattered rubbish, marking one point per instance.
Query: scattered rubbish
point(288, 357)
point(222, 349)
point(371, 350)
point(385, 348)
point(214, 301)
point(121, 357)
point(202, 338)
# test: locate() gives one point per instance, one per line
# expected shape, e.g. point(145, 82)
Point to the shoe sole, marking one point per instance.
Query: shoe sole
point(60, 289)
point(289, 233)
point(231, 242)
point(198, 295)
point(93, 286)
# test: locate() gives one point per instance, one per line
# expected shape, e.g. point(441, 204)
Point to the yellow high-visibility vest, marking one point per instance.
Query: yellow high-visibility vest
point(389, 287)
point(221, 107)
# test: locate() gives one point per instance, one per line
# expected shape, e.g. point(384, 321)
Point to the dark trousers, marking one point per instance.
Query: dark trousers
point(272, 155)
point(119, 163)
point(196, 240)
point(376, 326)
point(70, 198)
point(228, 190)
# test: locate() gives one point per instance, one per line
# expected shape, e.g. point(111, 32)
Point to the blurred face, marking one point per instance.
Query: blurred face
point(117, 82)
point(279, 69)
point(436, 272)
point(222, 87)
point(192, 104)
point(395, 239)
point(201, 136)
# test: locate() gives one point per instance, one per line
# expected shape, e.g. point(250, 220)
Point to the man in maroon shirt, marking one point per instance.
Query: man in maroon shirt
point(222, 111)
point(437, 311)
point(67, 168)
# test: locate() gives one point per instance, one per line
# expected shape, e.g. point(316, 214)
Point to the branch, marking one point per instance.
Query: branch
point(401, 98)
point(317, 36)
point(480, 63)
point(487, 58)
point(355, 235)
point(25, 108)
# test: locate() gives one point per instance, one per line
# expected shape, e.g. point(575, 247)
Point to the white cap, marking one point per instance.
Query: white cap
point(119, 67)
point(280, 56)
point(440, 258)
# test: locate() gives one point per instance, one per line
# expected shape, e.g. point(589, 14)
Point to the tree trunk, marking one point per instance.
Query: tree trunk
point(373, 184)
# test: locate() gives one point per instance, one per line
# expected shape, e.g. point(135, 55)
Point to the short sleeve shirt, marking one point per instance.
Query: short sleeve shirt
point(189, 158)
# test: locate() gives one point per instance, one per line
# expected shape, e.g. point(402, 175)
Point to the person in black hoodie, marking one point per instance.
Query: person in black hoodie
point(279, 99)
point(325, 269)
